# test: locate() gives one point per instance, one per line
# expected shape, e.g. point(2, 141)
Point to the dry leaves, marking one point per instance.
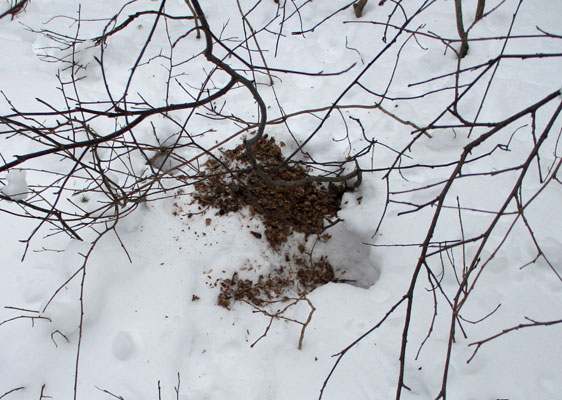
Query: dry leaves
point(229, 184)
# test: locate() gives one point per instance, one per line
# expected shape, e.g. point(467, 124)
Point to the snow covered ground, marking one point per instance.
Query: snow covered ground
point(151, 325)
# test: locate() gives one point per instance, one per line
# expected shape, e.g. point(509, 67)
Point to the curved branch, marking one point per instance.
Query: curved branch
point(92, 142)
point(249, 143)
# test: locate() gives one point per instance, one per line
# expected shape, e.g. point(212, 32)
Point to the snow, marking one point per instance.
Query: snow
point(151, 324)
point(16, 187)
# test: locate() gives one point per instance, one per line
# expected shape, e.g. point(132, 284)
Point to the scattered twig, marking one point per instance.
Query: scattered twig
point(531, 324)
point(12, 391)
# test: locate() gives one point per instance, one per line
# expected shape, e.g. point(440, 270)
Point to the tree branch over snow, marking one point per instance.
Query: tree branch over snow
point(16, 9)
point(132, 124)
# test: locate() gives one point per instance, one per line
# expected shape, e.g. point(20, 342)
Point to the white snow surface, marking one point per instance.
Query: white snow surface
point(152, 328)
point(16, 187)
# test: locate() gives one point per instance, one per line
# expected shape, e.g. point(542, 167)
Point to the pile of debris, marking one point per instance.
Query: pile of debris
point(229, 184)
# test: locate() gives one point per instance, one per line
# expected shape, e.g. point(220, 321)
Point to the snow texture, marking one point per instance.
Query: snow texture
point(16, 187)
point(152, 328)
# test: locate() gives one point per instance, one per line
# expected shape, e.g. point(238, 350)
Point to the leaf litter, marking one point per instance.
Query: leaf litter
point(229, 184)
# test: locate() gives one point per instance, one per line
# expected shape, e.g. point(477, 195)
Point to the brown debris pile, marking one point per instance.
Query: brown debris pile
point(230, 184)
point(297, 278)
